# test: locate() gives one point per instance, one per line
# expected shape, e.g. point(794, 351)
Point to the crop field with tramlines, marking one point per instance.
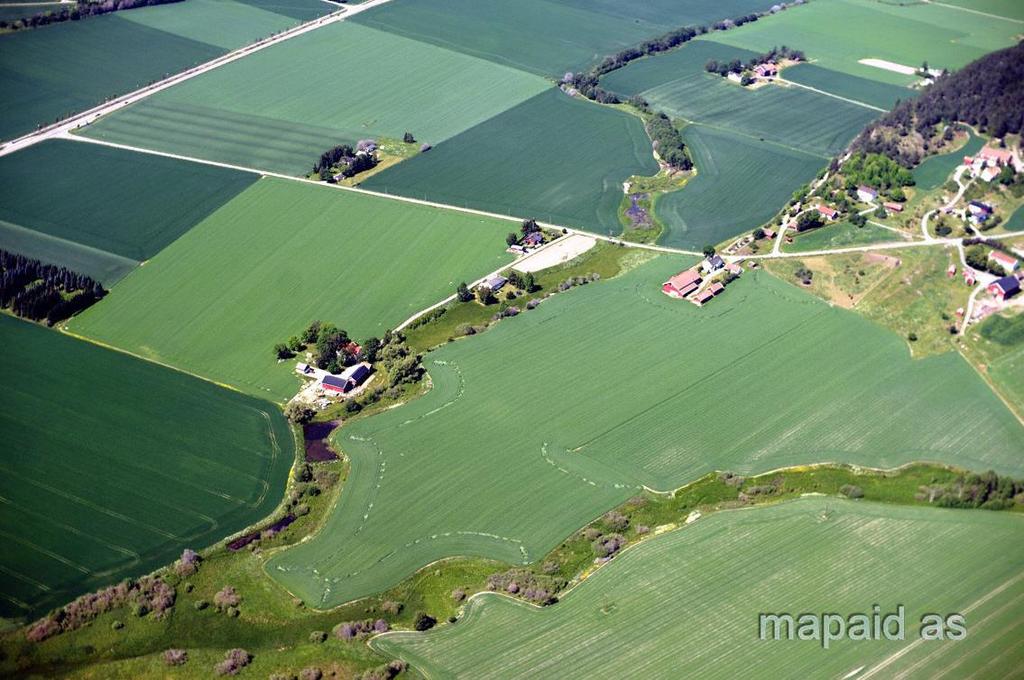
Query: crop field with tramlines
point(552, 158)
point(734, 386)
point(730, 164)
point(116, 208)
point(275, 258)
point(547, 37)
point(256, 113)
point(75, 65)
point(120, 465)
point(692, 599)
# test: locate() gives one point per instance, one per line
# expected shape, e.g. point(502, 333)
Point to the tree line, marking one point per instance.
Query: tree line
point(986, 94)
point(82, 10)
point(724, 68)
point(44, 292)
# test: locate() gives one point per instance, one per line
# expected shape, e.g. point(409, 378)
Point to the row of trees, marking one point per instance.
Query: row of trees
point(986, 93)
point(44, 292)
point(82, 10)
point(668, 142)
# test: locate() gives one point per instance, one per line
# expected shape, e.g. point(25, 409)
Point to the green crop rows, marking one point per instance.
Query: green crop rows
point(101, 210)
point(256, 113)
point(278, 256)
point(738, 385)
point(692, 599)
point(119, 465)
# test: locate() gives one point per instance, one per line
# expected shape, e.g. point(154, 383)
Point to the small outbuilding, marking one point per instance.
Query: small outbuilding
point(866, 194)
point(1004, 288)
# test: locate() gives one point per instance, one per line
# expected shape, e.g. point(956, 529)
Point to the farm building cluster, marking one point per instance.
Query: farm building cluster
point(988, 163)
point(703, 284)
point(325, 385)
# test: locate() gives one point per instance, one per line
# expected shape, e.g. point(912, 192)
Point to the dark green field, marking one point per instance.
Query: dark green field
point(111, 466)
point(740, 184)
point(873, 92)
point(54, 71)
point(552, 157)
point(546, 36)
point(101, 210)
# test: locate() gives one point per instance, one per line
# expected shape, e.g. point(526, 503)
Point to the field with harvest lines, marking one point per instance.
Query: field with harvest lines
point(121, 464)
point(691, 600)
point(275, 258)
point(255, 113)
point(602, 427)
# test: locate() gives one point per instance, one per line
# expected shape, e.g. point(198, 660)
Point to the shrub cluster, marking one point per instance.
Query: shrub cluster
point(384, 672)
point(353, 630)
point(175, 657)
point(145, 595)
point(524, 584)
point(988, 491)
point(234, 661)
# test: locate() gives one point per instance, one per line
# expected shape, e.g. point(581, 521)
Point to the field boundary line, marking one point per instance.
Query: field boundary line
point(972, 11)
point(833, 95)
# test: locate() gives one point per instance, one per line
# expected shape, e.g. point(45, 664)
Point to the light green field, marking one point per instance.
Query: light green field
point(906, 34)
point(677, 84)
point(100, 210)
point(1010, 9)
point(627, 387)
point(547, 37)
point(839, 235)
point(222, 23)
point(279, 255)
point(730, 166)
point(692, 599)
point(111, 466)
point(553, 158)
point(356, 83)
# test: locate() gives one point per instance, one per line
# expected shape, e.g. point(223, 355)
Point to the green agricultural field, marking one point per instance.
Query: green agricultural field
point(1010, 9)
point(225, 23)
point(873, 92)
point(908, 34)
point(692, 599)
point(279, 255)
point(100, 210)
point(554, 158)
point(677, 84)
point(841, 235)
point(547, 37)
point(57, 70)
point(735, 385)
point(256, 113)
point(730, 165)
point(936, 170)
point(112, 466)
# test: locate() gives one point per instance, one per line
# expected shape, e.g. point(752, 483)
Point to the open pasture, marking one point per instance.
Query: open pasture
point(841, 235)
point(547, 37)
point(706, 210)
point(677, 84)
point(736, 385)
point(112, 466)
point(356, 82)
point(692, 599)
point(101, 210)
point(553, 158)
point(908, 34)
point(278, 256)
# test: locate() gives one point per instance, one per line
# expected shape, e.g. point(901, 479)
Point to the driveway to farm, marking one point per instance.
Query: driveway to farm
point(63, 127)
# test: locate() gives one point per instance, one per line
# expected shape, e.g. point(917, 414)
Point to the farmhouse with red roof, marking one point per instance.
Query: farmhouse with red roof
point(682, 284)
point(1008, 263)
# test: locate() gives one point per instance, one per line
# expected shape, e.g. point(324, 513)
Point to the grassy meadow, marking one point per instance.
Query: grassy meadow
point(553, 158)
point(693, 598)
point(278, 256)
point(256, 113)
point(547, 37)
point(736, 385)
point(841, 235)
point(730, 165)
point(114, 208)
point(907, 34)
point(120, 465)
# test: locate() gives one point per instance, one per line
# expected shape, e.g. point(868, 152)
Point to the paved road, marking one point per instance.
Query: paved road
point(63, 127)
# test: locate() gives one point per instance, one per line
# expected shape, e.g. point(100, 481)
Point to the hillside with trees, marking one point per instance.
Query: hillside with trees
point(986, 93)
